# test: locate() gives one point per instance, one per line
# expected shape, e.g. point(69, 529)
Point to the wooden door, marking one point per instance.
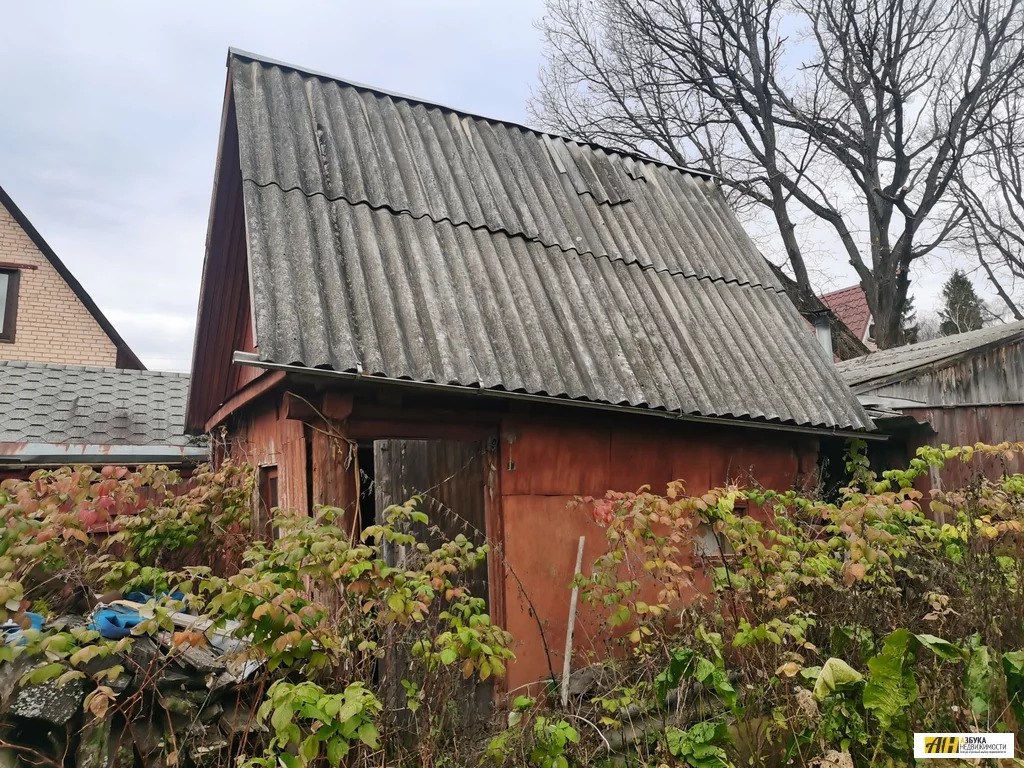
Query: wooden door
point(451, 476)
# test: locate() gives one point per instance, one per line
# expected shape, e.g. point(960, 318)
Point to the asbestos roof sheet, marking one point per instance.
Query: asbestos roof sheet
point(902, 361)
point(398, 238)
point(82, 405)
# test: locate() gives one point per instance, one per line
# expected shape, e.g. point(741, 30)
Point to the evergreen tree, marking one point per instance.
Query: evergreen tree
point(963, 310)
point(910, 329)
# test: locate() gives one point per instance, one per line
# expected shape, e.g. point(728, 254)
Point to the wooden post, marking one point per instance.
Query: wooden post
point(567, 660)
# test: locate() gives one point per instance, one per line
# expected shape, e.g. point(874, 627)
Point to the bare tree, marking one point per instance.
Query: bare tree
point(854, 114)
point(991, 191)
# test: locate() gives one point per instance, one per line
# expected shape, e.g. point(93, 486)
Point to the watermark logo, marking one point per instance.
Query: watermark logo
point(963, 745)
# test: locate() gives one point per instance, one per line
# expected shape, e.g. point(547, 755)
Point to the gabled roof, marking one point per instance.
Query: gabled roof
point(890, 365)
point(392, 237)
point(86, 405)
point(851, 306)
point(844, 343)
point(125, 357)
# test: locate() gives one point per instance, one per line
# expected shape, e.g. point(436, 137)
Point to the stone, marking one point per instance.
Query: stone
point(211, 712)
point(239, 718)
point(582, 681)
point(123, 679)
point(49, 701)
point(10, 676)
point(94, 744)
point(148, 736)
point(177, 705)
point(207, 746)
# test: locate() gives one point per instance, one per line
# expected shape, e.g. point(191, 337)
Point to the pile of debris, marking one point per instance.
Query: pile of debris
point(182, 698)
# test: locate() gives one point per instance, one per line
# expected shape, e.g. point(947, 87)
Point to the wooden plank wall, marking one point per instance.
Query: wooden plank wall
point(261, 437)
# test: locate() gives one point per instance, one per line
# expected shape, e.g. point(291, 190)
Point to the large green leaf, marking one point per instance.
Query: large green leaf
point(678, 667)
point(1013, 668)
point(978, 681)
point(835, 675)
point(890, 688)
point(944, 649)
point(699, 746)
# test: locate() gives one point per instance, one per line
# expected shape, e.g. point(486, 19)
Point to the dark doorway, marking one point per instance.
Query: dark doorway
point(451, 476)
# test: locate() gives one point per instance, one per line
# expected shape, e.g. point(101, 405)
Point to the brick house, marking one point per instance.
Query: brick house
point(71, 390)
point(46, 315)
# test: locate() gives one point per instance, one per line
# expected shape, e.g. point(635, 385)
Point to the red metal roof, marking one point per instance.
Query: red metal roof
point(851, 306)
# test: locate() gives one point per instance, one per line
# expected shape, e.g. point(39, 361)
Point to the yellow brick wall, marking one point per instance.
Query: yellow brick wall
point(53, 326)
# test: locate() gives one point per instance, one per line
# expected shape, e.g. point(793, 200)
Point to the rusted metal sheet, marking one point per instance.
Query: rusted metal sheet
point(967, 425)
point(392, 237)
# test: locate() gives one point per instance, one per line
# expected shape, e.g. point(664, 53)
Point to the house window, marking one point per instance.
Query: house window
point(9, 279)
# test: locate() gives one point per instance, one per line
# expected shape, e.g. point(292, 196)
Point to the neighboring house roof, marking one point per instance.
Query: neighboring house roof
point(844, 343)
point(898, 363)
point(395, 238)
point(851, 306)
point(102, 408)
point(125, 357)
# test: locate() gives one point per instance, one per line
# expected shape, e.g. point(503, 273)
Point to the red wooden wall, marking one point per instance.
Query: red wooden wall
point(544, 466)
point(543, 462)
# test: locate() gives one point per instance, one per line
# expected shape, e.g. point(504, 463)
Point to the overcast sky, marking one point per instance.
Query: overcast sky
point(108, 133)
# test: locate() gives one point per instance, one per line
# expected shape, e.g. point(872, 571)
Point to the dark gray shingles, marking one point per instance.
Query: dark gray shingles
point(46, 403)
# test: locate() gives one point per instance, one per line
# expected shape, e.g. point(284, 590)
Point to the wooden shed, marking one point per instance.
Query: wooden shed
point(961, 390)
point(400, 298)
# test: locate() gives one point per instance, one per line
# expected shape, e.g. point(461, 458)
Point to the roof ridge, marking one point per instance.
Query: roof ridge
point(68, 277)
point(1010, 329)
point(238, 53)
point(520, 235)
point(841, 290)
point(32, 364)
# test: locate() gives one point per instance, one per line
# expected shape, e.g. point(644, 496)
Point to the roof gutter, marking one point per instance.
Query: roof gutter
point(251, 359)
point(68, 453)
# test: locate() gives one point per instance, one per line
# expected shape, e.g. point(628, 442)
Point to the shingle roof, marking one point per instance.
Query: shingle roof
point(47, 403)
point(899, 362)
point(851, 306)
point(397, 238)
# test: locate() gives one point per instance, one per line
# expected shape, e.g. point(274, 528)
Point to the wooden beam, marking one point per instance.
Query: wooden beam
point(247, 394)
point(399, 429)
point(337, 405)
point(297, 408)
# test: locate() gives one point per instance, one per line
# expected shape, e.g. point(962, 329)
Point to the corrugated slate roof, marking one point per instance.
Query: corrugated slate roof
point(84, 405)
point(393, 237)
point(888, 363)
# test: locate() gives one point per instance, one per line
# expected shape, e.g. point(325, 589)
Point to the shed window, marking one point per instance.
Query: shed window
point(268, 502)
point(9, 279)
point(710, 545)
